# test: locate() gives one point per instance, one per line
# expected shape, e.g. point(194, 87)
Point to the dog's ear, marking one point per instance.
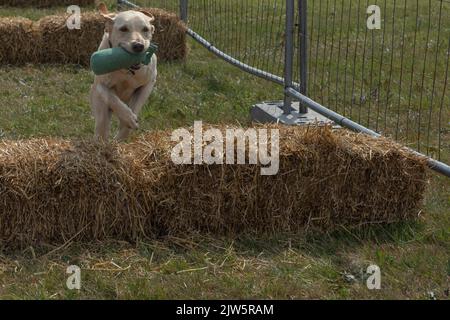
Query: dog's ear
point(108, 16)
point(102, 8)
point(148, 14)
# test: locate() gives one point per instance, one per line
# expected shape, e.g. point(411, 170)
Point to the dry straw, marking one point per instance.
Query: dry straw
point(63, 45)
point(50, 41)
point(54, 190)
point(20, 41)
point(45, 3)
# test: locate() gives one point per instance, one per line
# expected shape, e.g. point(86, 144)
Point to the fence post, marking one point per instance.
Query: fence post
point(184, 10)
point(288, 53)
point(303, 54)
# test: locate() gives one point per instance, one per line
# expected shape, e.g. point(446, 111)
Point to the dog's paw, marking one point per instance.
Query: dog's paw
point(130, 119)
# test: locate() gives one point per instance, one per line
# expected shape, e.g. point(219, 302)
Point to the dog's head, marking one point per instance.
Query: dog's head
point(132, 30)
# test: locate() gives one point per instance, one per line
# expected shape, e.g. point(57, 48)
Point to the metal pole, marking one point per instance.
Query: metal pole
point(303, 56)
point(433, 164)
point(184, 10)
point(245, 67)
point(288, 54)
point(127, 3)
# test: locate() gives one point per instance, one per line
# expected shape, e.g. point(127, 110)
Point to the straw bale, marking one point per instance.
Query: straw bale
point(50, 41)
point(54, 190)
point(20, 41)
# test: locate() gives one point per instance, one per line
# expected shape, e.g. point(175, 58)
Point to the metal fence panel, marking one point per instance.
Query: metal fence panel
point(393, 80)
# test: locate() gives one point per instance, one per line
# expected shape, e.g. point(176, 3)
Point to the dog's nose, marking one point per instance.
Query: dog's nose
point(137, 47)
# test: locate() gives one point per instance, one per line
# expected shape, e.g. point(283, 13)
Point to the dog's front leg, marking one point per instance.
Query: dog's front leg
point(143, 93)
point(101, 113)
point(123, 112)
point(137, 101)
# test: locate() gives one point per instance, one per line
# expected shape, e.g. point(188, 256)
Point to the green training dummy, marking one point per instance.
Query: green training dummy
point(113, 59)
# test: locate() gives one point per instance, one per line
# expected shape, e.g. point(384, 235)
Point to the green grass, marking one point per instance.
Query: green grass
point(51, 100)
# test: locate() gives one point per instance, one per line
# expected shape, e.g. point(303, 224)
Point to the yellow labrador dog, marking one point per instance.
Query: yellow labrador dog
point(123, 92)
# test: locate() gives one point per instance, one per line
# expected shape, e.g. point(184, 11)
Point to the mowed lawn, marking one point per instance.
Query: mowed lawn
point(39, 101)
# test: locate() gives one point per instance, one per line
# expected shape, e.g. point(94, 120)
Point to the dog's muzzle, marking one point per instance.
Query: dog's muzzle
point(137, 47)
point(135, 67)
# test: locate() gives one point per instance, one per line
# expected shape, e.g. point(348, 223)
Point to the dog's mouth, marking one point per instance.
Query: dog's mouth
point(120, 45)
point(125, 47)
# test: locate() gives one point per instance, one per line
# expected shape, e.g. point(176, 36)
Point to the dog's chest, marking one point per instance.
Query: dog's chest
point(127, 83)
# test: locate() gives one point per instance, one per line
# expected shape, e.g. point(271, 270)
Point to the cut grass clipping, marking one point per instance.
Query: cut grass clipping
point(50, 41)
point(45, 3)
point(54, 191)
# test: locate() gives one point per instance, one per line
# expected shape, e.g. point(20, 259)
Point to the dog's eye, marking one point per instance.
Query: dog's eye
point(145, 29)
point(123, 29)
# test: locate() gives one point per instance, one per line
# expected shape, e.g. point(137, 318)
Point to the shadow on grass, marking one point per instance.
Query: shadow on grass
point(247, 246)
point(318, 244)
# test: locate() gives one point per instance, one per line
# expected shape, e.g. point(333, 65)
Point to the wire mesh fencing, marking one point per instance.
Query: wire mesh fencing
point(394, 80)
point(251, 31)
point(169, 5)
